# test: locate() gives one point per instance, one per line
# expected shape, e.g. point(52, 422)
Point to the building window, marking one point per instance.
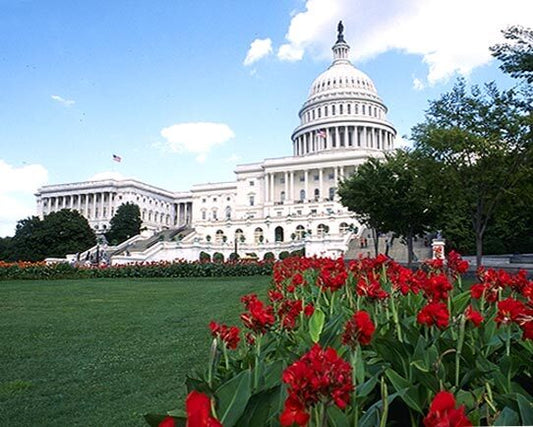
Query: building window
point(228, 212)
point(331, 176)
point(302, 178)
point(203, 200)
point(315, 177)
point(363, 109)
point(282, 180)
point(326, 111)
point(252, 183)
point(317, 194)
point(282, 196)
point(252, 200)
point(349, 109)
point(214, 199)
point(331, 193)
point(332, 110)
point(302, 195)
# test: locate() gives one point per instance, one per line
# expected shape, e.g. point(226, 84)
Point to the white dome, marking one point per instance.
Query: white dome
point(342, 76)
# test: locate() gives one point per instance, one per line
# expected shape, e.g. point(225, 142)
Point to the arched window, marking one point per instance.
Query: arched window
point(239, 235)
point(258, 235)
point(302, 195)
point(317, 194)
point(219, 236)
point(300, 231)
point(228, 212)
point(322, 230)
point(282, 196)
point(343, 228)
point(331, 193)
point(278, 234)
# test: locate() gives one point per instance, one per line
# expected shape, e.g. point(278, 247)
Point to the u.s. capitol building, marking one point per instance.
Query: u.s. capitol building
point(276, 204)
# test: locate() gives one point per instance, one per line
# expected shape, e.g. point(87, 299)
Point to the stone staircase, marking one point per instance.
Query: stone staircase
point(398, 250)
point(161, 236)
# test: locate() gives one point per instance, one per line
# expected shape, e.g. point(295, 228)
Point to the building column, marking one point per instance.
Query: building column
point(291, 186)
point(306, 184)
point(337, 139)
point(286, 176)
point(272, 182)
point(320, 189)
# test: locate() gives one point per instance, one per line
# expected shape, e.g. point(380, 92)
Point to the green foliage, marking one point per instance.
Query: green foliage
point(126, 223)
point(516, 54)
point(58, 234)
point(234, 256)
point(391, 195)
point(478, 144)
point(284, 254)
point(269, 256)
point(218, 257)
point(204, 257)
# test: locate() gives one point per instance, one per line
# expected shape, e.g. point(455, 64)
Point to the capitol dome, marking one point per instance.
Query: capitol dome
point(343, 110)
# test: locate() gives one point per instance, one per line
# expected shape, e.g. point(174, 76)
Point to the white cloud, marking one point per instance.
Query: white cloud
point(418, 84)
point(451, 36)
point(17, 193)
point(259, 48)
point(63, 101)
point(198, 138)
point(234, 158)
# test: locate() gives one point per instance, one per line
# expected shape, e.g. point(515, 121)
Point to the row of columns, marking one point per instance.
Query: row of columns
point(183, 213)
point(291, 190)
point(90, 205)
point(342, 136)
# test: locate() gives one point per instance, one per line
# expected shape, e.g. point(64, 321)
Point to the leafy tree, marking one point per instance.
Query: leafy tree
point(57, 235)
point(125, 223)
point(516, 55)
point(481, 143)
point(5, 248)
point(391, 195)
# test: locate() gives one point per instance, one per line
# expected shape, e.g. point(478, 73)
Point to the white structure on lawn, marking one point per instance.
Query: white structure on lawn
point(274, 205)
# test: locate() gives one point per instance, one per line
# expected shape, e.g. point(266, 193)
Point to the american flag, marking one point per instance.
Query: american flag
point(117, 158)
point(322, 133)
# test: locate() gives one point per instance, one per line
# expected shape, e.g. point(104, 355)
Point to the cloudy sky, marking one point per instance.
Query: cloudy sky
point(184, 90)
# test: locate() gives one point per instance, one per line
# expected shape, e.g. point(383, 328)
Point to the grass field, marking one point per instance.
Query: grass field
point(104, 352)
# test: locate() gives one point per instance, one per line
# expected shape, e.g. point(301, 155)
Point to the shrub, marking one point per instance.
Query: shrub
point(234, 256)
point(284, 254)
point(269, 256)
point(218, 257)
point(204, 257)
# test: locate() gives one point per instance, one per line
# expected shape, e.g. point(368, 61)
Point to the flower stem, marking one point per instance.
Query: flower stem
point(385, 400)
point(459, 349)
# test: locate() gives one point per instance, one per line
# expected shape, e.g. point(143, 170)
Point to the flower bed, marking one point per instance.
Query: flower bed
point(43, 271)
point(370, 343)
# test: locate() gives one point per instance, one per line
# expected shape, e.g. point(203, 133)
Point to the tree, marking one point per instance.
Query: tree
point(58, 234)
point(517, 54)
point(125, 223)
point(391, 195)
point(481, 144)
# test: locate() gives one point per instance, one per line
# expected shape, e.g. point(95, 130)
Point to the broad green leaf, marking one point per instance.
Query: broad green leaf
point(460, 301)
point(526, 409)
point(420, 365)
point(316, 324)
point(366, 388)
point(337, 418)
point(406, 390)
point(261, 408)
point(507, 417)
point(232, 398)
point(272, 374)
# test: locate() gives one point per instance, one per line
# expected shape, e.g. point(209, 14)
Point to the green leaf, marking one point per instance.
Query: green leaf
point(420, 365)
point(232, 398)
point(366, 388)
point(526, 409)
point(272, 374)
point(337, 418)
point(261, 408)
point(406, 390)
point(460, 301)
point(316, 324)
point(507, 417)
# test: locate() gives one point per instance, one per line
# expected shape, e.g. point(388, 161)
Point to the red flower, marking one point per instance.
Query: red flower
point(229, 336)
point(456, 264)
point(259, 318)
point(509, 310)
point(434, 313)
point(442, 412)
point(474, 316)
point(358, 329)
point(309, 310)
point(294, 413)
point(167, 422)
point(436, 287)
point(318, 376)
point(198, 408)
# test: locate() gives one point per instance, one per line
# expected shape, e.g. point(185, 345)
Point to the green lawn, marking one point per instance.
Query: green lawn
point(104, 352)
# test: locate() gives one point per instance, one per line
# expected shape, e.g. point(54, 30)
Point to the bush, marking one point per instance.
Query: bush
point(204, 257)
point(269, 256)
point(234, 256)
point(283, 255)
point(218, 257)
point(298, 252)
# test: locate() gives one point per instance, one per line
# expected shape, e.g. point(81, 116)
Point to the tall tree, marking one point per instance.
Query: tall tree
point(481, 142)
point(125, 223)
point(391, 195)
point(516, 54)
point(58, 234)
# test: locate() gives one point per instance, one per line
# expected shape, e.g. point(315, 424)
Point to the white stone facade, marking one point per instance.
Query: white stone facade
point(280, 200)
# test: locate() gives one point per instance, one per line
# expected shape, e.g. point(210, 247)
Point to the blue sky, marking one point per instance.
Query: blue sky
point(185, 90)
